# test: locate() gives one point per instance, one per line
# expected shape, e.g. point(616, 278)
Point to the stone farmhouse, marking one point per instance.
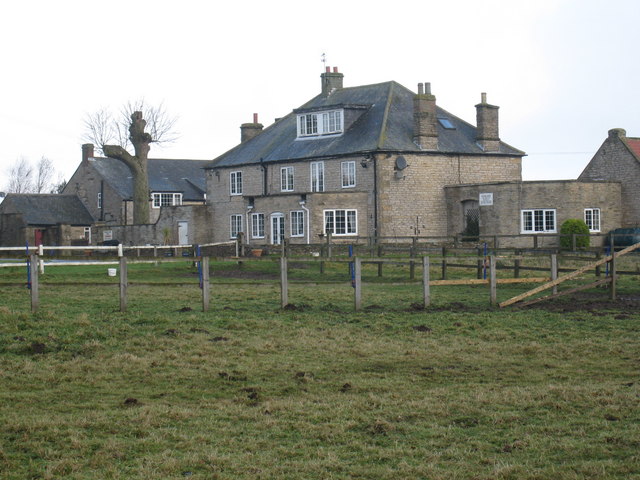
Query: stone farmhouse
point(354, 162)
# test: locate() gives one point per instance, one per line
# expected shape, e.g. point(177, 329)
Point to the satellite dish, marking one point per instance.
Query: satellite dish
point(401, 163)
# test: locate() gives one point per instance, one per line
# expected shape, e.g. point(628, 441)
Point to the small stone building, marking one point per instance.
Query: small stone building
point(48, 219)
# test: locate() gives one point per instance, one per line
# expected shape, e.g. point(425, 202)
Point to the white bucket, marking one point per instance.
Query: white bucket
point(111, 272)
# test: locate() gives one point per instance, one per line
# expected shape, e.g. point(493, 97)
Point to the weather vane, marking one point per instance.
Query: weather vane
point(324, 59)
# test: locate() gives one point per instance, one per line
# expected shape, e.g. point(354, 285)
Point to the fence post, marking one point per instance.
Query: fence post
point(412, 254)
point(493, 279)
point(35, 284)
point(573, 242)
point(358, 284)
point(613, 274)
point(554, 271)
point(480, 264)
point(329, 244)
point(123, 284)
point(426, 294)
point(284, 283)
point(204, 267)
point(516, 263)
point(380, 251)
point(444, 263)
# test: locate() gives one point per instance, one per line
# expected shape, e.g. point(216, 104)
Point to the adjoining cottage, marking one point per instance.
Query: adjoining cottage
point(618, 160)
point(105, 186)
point(354, 162)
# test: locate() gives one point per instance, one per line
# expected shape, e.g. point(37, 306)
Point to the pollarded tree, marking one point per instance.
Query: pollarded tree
point(141, 142)
point(102, 129)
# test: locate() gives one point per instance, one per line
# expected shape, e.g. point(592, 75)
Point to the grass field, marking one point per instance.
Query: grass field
point(315, 391)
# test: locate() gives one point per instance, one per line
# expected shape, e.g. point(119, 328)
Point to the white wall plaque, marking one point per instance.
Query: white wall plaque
point(486, 199)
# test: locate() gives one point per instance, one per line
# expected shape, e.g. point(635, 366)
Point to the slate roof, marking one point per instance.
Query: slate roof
point(47, 209)
point(386, 125)
point(165, 175)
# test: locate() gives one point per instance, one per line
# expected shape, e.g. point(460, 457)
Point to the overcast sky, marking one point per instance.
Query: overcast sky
point(563, 72)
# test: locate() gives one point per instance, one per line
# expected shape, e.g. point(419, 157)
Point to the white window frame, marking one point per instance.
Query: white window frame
point(286, 179)
point(296, 222)
point(257, 225)
point(317, 124)
point(538, 220)
point(341, 222)
point(235, 182)
point(593, 217)
point(317, 176)
point(165, 199)
point(99, 199)
point(348, 173)
point(235, 225)
point(87, 234)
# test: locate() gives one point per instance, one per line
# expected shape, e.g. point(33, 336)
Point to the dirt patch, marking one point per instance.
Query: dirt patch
point(599, 304)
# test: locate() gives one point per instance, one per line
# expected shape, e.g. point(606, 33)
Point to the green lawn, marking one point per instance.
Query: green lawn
point(248, 390)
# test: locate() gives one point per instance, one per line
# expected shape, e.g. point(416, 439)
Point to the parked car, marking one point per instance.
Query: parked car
point(625, 237)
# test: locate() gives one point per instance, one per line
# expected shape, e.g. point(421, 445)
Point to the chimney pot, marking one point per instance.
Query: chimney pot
point(420, 89)
point(328, 70)
point(255, 118)
point(335, 69)
point(427, 88)
point(483, 97)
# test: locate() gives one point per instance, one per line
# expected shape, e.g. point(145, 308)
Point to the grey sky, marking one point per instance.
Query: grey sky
point(563, 72)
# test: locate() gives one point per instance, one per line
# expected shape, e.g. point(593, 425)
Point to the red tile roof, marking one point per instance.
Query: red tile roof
point(634, 146)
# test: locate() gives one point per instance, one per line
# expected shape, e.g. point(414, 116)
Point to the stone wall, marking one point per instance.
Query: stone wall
point(165, 230)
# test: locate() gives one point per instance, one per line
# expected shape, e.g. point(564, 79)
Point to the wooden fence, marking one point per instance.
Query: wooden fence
point(487, 272)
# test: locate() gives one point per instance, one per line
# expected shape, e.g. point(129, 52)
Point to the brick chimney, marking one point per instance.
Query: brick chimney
point(425, 128)
point(250, 130)
point(331, 80)
point(87, 152)
point(487, 122)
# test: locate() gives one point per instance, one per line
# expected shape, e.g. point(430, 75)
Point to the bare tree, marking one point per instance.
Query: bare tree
point(141, 142)
point(106, 128)
point(20, 177)
point(44, 176)
point(25, 178)
point(114, 136)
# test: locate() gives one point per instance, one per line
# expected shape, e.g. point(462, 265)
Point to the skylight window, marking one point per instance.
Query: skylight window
point(446, 123)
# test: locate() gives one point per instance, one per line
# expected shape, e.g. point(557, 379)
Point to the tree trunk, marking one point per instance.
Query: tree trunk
point(138, 165)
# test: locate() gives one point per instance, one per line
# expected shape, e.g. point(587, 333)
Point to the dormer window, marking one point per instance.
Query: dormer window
point(320, 123)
